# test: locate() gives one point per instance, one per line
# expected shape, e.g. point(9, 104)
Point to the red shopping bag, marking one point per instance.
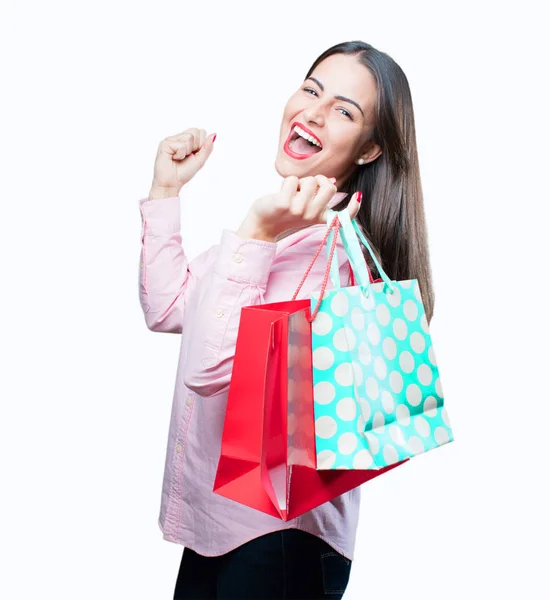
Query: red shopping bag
point(268, 458)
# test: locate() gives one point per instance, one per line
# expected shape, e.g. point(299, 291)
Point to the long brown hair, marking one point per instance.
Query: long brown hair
point(392, 211)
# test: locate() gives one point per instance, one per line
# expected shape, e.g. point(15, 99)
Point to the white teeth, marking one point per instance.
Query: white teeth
point(306, 136)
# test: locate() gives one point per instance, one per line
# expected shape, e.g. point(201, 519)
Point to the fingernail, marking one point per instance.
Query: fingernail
point(359, 196)
point(214, 138)
point(333, 179)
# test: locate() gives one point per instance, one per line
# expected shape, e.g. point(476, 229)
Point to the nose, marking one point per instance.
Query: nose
point(315, 113)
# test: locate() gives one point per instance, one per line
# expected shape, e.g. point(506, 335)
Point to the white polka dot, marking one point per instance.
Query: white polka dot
point(361, 425)
point(395, 298)
point(389, 347)
point(410, 309)
point(367, 302)
point(365, 408)
point(374, 444)
point(418, 343)
point(390, 454)
point(343, 374)
point(324, 392)
point(403, 414)
point(358, 318)
point(430, 406)
point(322, 324)
point(346, 409)
point(388, 403)
point(373, 333)
point(340, 304)
point(422, 426)
point(365, 355)
point(445, 417)
point(424, 374)
point(357, 373)
point(397, 435)
point(396, 381)
point(406, 362)
point(323, 358)
point(383, 314)
point(347, 443)
point(431, 356)
point(326, 459)
point(362, 460)
point(380, 368)
point(372, 388)
point(415, 445)
point(325, 427)
point(424, 323)
point(441, 435)
point(378, 421)
point(414, 394)
point(438, 388)
point(400, 329)
point(406, 283)
point(344, 339)
point(352, 290)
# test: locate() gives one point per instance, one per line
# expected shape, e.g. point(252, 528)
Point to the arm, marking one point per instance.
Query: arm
point(239, 278)
point(166, 276)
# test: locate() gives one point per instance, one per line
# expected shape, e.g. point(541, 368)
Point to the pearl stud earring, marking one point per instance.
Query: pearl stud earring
point(360, 162)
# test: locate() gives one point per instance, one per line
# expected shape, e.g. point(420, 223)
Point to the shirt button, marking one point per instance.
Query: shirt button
point(238, 258)
point(219, 313)
point(189, 402)
point(178, 448)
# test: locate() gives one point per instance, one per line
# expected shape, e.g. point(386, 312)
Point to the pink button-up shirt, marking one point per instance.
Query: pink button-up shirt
point(202, 299)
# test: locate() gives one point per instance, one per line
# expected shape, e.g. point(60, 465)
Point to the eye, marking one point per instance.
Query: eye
point(306, 89)
point(347, 113)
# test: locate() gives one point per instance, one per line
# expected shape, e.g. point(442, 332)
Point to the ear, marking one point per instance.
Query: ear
point(371, 154)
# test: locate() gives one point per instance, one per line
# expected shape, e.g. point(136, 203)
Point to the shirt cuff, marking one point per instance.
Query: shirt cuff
point(161, 215)
point(245, 260)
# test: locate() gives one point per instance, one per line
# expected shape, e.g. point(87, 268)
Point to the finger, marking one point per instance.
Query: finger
point(192, 137)
point(288, 191)
point(317, 209)
point(307, 190)
point(202, 137)
point(354, 205)
point(206, 149)
point(178, 150)
point(179, 136)
point(185, 147)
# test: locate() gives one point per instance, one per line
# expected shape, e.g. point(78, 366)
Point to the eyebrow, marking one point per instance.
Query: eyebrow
point(343, 98)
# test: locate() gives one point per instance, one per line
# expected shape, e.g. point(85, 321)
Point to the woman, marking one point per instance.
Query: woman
point(348, 127)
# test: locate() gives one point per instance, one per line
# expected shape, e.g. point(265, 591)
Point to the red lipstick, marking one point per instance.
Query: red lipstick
point(292, 154)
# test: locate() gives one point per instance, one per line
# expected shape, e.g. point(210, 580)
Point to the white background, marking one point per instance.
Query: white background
point(89, 90)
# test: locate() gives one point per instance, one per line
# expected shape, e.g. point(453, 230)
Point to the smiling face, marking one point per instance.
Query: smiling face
point(334, 109)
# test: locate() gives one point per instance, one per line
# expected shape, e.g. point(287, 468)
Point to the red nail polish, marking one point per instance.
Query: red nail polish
point(359, 196)
point(214, 138)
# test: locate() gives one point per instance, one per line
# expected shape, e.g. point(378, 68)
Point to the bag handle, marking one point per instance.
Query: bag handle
point(333, 225)
point(350, 231)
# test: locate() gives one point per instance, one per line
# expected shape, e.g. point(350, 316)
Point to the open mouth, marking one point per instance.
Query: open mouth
point(301, 144)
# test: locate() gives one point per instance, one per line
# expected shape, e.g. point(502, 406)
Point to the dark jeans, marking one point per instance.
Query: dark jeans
point(284, 565)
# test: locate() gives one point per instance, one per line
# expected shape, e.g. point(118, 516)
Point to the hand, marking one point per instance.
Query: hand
point(299, 203)
point(179, 157)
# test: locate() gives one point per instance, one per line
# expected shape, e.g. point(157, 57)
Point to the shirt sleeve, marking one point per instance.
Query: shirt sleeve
point(166, 276)
point(240, 278)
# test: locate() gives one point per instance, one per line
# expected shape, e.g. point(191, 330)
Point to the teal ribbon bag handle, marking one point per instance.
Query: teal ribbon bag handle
point(350, 232)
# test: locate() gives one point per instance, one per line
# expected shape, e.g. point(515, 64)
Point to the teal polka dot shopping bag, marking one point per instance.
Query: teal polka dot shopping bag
point(378, 397)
